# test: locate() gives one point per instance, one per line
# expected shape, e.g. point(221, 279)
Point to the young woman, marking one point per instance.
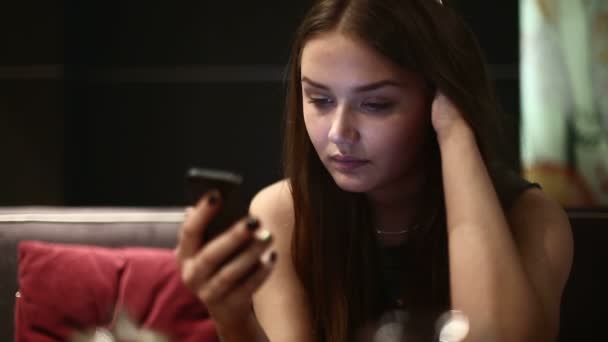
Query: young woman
point(395, 207)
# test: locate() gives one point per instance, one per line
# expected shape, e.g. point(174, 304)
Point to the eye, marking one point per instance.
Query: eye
point(320, 102)
point(377, 106)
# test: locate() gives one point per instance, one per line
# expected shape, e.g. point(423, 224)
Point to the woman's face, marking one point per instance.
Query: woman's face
point(368, 119)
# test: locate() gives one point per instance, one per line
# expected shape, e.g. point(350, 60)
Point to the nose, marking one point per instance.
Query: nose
point(343, 129)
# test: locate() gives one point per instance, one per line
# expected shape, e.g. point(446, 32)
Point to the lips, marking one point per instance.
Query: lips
point(347, 163)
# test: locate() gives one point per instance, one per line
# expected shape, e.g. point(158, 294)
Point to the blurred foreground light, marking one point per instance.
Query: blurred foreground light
point(391, 327)
point(453, 326)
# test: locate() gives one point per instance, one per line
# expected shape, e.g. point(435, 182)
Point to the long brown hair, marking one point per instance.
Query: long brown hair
point(334, 248)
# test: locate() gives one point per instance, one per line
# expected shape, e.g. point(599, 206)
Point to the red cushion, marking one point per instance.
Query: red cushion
point(67, 288)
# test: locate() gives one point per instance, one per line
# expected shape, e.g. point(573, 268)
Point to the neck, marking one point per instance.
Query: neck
point(395, 207)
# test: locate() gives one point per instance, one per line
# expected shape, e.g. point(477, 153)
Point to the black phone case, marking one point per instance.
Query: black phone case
point(199, 181)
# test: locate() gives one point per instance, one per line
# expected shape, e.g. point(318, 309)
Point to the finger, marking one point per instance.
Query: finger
point(240, 266)
point(242, 291)
point(247, 287)
point(191, 231)
point(188, 212)
point(219, 250)
point(440, 102)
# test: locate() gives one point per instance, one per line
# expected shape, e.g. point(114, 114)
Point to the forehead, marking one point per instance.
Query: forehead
point(334, 56)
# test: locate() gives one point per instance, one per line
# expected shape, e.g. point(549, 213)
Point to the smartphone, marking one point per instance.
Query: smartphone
point(199, 181)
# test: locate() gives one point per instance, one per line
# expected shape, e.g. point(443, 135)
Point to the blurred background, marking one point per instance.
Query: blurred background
point(564, 107)
point(108, 103)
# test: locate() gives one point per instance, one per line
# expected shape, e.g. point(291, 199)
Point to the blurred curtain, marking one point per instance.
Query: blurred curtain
point(564, 92)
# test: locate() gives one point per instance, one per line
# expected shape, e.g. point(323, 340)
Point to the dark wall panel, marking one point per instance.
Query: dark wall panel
point(143, 91)
point(170, 33)
point(31, 32)
point(131, 143)
point(31, 142)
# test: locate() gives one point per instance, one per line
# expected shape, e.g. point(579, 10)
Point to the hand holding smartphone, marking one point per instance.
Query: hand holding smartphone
point(199, 181)
point(226, 272)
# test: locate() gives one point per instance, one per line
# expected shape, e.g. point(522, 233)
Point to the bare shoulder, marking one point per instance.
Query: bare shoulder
point(280, 304)
point(543, 236)
point(273, 205)
point(534, 210)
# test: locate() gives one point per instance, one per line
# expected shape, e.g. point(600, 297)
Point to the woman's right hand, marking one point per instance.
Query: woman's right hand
point(226, 271)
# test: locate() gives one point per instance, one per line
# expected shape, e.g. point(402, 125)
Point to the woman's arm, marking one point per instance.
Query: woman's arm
point(510, 288)
point(280, 304)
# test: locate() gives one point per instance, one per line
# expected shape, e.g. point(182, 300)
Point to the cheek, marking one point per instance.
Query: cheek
point(315, 129)
point(389, 142)
point(400, 137)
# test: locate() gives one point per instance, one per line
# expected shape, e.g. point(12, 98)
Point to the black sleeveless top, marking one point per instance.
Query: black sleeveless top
point(509, 186)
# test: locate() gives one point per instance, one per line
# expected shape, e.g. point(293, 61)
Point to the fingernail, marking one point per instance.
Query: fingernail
point(213, 198)
point(269, 258)
point(263, 236)
point(252, 224)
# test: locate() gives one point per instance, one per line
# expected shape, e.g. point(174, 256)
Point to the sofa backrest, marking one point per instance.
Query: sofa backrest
point(157, 227)
point(112, 227)
point(585, 293)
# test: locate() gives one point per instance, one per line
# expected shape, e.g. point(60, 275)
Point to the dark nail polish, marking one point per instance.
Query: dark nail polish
point(252, 224)
point(213, 199)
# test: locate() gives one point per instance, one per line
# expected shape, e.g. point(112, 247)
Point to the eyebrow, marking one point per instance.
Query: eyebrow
point(363, 88)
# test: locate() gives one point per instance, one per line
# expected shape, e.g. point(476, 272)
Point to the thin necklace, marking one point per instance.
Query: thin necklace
point(399, 232)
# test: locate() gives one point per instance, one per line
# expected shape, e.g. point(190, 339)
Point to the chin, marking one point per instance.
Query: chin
point(351, 184)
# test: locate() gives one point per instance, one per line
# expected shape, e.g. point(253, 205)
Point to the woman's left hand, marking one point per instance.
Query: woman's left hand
point(445, 116)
